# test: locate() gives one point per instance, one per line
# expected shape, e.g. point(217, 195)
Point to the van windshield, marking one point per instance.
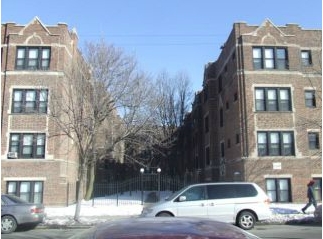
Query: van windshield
point(175, 194)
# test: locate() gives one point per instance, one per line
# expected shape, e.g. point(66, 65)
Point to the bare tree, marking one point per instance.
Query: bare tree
point(102, 103)
point(122, 102)
point(175, 96)
point(70, 109)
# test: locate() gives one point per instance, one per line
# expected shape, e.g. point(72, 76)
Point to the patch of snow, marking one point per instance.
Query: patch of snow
point(129, 205)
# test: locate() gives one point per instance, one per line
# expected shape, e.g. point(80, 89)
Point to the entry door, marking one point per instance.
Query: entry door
point(195, 204)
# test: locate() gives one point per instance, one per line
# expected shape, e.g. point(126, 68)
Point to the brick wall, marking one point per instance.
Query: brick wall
point(235, 67)
point(58, 170)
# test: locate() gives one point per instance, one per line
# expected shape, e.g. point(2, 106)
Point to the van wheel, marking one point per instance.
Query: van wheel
point(246, 220)
point(164, 214)
point(8, 224)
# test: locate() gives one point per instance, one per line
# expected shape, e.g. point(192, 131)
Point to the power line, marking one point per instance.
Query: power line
point(152, 35)
point(158, 40)
point(168, 44)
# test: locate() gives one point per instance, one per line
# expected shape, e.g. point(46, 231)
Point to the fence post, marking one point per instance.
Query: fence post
point(67, 194)
point(158, 172)
point(117, 184)
point(141, 182)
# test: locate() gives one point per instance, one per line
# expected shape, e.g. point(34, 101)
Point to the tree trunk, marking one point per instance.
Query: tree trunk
point(79, 195)
point(78, 210)
point(90, 184)
point(78, 201)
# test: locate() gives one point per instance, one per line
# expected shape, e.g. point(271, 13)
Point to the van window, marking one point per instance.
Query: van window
point(195, 193)
point(230, 191)
point(245, 190)
point(220, 191)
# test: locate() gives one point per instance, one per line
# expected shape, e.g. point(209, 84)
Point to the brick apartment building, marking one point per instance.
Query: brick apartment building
point(258, 116)
point(37, 162)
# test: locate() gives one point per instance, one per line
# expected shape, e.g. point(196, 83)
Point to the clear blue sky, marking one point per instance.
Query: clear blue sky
point(172, 35)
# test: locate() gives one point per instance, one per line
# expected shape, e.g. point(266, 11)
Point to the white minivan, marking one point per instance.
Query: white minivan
point(241, 203)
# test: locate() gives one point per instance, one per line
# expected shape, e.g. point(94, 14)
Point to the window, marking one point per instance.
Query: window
point(233, 57)
point(273, 99)
point(224, 191)
point(228, 143)
point(306, 58)
point(27, 145)
point(245, 190)
point(235, 96)
point(313, 141)
point(222, 149)
point(33, 58)
point(269, 58)
point(206, 124)
point(318, 189)
point(230, 191)
point(275, 143)
point(207, 156)
point(206, 93)
point(310, 100)
point(197, 162)
point(237, 138)
point(220, 84)
point(29, 101)
point(281, 58)
point(221, 117)
point(31, 191)
point(195, 193)
point(278, 189)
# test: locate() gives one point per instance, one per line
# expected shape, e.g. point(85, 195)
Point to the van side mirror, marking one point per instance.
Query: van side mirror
point(182, 198)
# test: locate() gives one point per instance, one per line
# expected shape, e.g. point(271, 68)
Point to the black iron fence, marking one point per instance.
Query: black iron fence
point(146, 188)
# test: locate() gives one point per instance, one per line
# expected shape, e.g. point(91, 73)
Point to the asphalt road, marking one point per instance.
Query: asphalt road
point(262, 231)
point(288, 231)
point(43, 234)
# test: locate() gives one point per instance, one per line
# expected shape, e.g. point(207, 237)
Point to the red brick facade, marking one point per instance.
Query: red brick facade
point(229, 149)
point(53, 175)
point(221, 140)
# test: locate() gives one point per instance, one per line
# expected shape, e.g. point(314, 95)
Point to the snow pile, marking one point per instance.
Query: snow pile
point(284, 213)
point(94, 211)
point(104, 209)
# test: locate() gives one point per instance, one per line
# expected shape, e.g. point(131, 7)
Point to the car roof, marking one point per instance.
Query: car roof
point(166, 227)
point(222, 183)
point(13, 199)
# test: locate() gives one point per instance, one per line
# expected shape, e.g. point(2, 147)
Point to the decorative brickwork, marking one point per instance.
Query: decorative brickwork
point(57, 170)
point(230, 84)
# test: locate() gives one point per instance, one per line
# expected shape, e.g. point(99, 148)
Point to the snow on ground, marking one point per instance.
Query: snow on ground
point(108, 208)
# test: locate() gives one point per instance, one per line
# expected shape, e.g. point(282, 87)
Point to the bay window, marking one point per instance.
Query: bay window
point(33, 58)
point(30, 101)
point(28, 145)
point(275, 143)
point(272, 99)
point(269, 58)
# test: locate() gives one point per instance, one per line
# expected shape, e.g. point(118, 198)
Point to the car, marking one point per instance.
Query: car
point(240, 203)
point(164, 228)
point(16, 211)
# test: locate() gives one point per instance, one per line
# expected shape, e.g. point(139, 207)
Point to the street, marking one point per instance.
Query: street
point(287, 231)
point(262, 231)
point(43, 233)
